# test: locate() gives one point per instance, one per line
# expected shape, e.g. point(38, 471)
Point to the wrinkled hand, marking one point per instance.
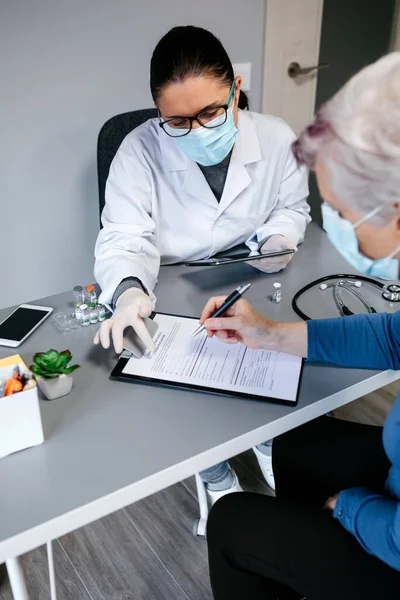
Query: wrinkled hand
point(131, 307)
point(330, 504)
point(277, 263)
point(241, 323)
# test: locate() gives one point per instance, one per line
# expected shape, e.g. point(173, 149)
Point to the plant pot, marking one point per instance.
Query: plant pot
point(55, 388)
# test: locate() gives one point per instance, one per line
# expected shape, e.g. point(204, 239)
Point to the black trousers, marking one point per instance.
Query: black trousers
point(290, 547)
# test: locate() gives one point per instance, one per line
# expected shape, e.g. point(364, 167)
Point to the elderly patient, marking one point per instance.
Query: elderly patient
point(333, 530)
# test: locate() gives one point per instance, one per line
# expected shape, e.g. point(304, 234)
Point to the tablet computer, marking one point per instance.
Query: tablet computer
point(219, 261)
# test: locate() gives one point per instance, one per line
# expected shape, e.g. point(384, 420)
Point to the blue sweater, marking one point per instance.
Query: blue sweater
point(370, 342)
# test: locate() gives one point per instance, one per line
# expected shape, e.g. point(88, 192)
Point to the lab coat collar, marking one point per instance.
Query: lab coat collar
point(173, 159)
point(247, 146)
point(245, 151)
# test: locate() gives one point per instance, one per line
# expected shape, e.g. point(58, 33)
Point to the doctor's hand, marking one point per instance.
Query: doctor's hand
point(241, 323)
point(131, 307)
point(277, 263)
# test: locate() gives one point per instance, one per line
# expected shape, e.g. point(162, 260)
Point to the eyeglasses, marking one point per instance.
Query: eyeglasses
point(209, 118)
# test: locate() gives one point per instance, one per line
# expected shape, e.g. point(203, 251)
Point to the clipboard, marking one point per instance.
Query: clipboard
point(125, 369)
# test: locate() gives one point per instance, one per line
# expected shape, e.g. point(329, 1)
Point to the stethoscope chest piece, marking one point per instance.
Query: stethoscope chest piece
point(391, 293)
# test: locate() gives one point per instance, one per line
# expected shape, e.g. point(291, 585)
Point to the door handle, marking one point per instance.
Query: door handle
point(294, 69)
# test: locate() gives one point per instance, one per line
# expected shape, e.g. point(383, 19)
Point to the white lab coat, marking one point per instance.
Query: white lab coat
point(160, 208)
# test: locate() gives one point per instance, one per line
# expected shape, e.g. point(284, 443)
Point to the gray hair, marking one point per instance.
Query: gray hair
point(357, 136)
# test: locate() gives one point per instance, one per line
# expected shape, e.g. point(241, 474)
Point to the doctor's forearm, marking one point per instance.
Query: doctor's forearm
point(287, 222)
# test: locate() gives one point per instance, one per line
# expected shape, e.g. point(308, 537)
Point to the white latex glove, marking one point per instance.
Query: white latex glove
point(277, 263)
point(131, 307)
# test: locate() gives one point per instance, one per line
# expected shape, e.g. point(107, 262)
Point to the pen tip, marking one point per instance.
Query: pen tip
point(197, 331)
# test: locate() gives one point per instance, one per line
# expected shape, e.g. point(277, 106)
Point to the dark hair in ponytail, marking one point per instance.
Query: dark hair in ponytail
point(190, 52)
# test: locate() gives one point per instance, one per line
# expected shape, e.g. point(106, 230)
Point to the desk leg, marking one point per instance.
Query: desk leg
point(17, 579)
point(199, 526)
point(52, 573)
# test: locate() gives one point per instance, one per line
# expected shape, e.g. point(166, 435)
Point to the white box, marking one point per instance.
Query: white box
point(20, 419)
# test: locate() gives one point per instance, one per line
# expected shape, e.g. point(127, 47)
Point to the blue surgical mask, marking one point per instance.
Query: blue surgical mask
point(209, 146)
point(342, 235)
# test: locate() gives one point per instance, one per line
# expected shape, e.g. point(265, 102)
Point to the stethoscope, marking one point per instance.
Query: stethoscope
point(351, 283)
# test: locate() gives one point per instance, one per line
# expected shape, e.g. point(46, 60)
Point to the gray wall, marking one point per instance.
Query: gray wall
point(67, 67)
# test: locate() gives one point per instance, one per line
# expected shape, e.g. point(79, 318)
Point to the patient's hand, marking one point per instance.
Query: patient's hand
point(330, 504)
point(241, 323)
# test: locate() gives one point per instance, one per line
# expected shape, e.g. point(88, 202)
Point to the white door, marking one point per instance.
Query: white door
point(292, 37)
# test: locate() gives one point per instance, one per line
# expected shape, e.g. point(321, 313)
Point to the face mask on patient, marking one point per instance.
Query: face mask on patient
point(343, 236)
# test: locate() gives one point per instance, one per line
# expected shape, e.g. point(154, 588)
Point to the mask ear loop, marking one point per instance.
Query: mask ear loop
point(392, 254)
point(371, 214)
point(368, 216)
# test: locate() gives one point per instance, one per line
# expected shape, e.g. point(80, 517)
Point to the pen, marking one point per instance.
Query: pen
point(231, 299)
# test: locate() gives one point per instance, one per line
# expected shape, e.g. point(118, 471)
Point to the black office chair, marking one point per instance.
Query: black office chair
point(110, 137)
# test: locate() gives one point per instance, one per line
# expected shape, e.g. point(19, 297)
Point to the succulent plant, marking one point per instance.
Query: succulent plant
point(51, 364)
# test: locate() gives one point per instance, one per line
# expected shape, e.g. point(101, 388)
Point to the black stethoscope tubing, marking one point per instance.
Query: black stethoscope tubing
point(310, 285)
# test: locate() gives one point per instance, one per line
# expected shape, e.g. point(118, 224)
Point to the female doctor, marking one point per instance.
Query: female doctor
point(201, 178)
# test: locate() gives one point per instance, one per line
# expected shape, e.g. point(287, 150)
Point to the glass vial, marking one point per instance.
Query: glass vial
point(101, 310)
point(78, 300)
point(91, 295)
point(277, 293)
point(85, 320)
point(93, 314)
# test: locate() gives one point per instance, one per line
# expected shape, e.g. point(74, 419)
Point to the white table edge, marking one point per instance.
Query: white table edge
point(61, 525)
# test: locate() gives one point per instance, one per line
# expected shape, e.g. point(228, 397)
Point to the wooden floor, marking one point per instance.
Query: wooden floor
point(147, 551)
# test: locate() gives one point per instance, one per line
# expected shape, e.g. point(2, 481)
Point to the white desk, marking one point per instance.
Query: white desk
point(98, 458)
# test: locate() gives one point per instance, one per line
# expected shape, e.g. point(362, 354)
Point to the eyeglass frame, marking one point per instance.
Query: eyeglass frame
point(195, 118)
